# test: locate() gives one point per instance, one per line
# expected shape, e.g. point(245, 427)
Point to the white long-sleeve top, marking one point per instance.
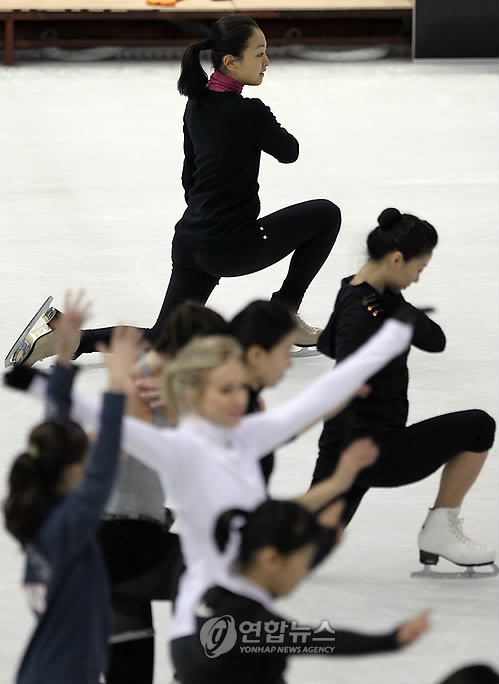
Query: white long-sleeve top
point(208, 469)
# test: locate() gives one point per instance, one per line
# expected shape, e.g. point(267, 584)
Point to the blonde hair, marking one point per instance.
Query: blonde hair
point(191, 365)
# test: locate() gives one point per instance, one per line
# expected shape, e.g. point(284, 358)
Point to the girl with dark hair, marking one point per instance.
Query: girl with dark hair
point(399, 249)
point(278, 541)
point(53, 507)
point(266, 331)
point(221, 233)
point(210, 461)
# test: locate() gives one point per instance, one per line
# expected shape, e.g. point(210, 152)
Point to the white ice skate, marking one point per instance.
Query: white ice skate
point(305, 342)
point(34, 343)
point(442, 536)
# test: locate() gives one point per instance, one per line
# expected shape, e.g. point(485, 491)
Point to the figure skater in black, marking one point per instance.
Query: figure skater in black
point(399, 248)
point(221, 233)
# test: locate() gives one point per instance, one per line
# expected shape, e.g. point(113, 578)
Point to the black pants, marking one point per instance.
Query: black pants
point(144, 564)
point(412, 453)
point(308, 230)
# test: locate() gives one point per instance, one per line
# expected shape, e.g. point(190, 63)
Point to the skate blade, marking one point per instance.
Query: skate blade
point(303, 352)
point(9, 359)
point(466, 573)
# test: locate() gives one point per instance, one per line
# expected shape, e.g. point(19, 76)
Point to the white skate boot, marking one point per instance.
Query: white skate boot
point(305, 341)
point(442, 535)
point(35, 343)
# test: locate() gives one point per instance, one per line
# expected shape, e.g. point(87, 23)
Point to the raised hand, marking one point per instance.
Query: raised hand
point(150, 391)
point(120, 356)
point(413, 629)
point(68, 326)
point(359, 455)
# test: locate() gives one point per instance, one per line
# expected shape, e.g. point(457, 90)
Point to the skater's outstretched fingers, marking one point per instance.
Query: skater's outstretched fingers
point(413, 629)
point(68, 326)
point(120, 356)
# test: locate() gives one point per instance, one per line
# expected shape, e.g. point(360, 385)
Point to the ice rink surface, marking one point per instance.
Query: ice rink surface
point(90, 191)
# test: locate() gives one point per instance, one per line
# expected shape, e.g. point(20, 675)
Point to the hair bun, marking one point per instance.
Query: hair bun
point(388, 218)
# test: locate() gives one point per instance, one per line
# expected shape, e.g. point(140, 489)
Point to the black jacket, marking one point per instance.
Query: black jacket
point(224, 136)
point(359, 311)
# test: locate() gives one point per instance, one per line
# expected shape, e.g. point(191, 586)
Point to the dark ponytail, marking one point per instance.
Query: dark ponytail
point(285, 525)
point(262, 323)
point(401, 232)
point(36, 473)
point(228, 36)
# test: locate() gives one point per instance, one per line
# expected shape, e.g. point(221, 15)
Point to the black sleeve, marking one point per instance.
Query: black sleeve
point(270, 136)
point(189, 166)
point(428, 335)
point(355, 643)
point(312, 640)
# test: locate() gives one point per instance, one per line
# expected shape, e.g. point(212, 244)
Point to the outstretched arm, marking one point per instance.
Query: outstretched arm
point(327, 640)
point(266, 431)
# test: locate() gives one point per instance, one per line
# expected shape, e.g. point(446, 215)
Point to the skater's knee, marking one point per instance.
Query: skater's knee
point(330, 214)
point(484, 429)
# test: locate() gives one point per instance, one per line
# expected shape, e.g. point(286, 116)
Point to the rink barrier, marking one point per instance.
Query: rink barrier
point(28, 24)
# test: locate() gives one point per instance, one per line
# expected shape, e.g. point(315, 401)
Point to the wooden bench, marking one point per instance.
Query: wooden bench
point(91, 23)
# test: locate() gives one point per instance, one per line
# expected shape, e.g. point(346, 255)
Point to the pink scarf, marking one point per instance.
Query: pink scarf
point(221, 83)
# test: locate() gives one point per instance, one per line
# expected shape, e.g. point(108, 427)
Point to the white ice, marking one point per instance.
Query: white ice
point(90, 191)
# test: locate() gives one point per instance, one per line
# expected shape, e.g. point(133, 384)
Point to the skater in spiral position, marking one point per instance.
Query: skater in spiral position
point(399, 248)
point(221, 233)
